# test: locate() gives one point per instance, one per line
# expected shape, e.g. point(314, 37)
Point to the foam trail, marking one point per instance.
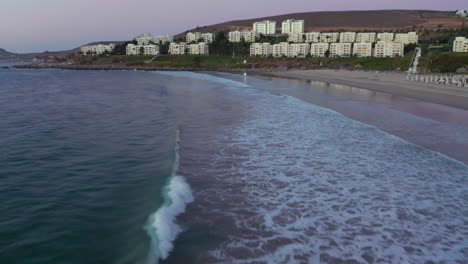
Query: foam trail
point(162, 226)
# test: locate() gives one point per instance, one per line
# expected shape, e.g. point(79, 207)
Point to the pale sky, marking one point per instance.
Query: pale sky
point(39, 25)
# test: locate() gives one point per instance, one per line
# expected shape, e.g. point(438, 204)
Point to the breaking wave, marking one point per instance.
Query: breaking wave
point(162, 226)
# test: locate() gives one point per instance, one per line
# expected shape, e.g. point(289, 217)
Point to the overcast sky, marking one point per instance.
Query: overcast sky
point(39, 25)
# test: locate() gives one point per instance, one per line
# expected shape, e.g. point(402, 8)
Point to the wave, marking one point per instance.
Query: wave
point(162, 226)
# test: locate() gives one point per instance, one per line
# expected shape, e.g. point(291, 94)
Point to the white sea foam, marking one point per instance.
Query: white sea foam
point(318, 187)
point(205, 77)
point(162, 226)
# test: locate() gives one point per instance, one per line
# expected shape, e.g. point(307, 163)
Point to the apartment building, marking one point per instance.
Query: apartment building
point(329, 37)
point(347, 37)
point(340, 49)
point(208, 37)
point(177, 48)
point(266, 27)
point(247, 36)
point(292, 26)
point(261, 49)
point(97, 49)
point(144, 39)
point(386, 36)
point(296, 37)
point(407, 38)
point(198, 49)
point(193, 37)
point(280, 50)
point(389, 49)
point(312, 37)
point(298, 50)
point(460, 44)
point(318, 49)
point(362, 49)
point(133, 49)
point(163, 39)
point(368, 37)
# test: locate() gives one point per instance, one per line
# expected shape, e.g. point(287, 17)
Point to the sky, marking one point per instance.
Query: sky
point(52, 25)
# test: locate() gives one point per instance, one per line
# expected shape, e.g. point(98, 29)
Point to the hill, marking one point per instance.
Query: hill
point(5, 55)
point(352, 20)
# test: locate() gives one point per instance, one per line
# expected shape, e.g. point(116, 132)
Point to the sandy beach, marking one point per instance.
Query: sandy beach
point(386, 82)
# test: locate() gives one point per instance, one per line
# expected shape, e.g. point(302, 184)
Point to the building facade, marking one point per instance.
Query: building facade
point(193, 37)
point(261, 49)
point(266, 27)
point(347, 37)
point(144, 39)
point(407, 38)
point(340, 49)
point(198, 49)
point(177, 48)
point(312, 37)
point(163, 39)
point(280, 50)
point(292, 26)
point(97, 49)
point(208, 37)
point(300, 50)
point(329, 37)
point(368, 37)
point(386, 36)
point(362, 49)
point(460, 44)
point(389, 49)
point(247, 36)
point(296, 37)
point(319, 49)
point(133, 49)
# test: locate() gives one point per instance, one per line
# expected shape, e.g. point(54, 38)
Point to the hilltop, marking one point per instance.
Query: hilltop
point(352, 20)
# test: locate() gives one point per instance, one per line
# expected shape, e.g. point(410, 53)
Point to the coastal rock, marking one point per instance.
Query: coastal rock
point(462, 70)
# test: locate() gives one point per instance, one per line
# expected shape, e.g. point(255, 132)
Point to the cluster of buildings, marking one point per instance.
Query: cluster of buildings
point(97, 49)
point(299, 43)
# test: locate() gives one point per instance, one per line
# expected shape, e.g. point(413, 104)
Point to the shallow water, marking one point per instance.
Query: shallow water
point(91, 174)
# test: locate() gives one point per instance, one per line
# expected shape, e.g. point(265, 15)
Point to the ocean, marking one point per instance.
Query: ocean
point(182, 167)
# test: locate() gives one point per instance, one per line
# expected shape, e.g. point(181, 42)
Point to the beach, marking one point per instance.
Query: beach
point(387, 82)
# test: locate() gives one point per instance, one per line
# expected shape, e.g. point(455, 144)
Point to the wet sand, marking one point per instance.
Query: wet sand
point(387, 82)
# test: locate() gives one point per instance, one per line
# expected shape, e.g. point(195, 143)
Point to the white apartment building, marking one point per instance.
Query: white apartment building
point(340, 49)
point(177, 48)
point(292, 26)
point(266, 27)
point(407, 38)
point(133, 49)
point(193, 37)
point(312, 37)
point(318, 49)
point(296, 37)
point(460, 44)
point(198, 49)
point(280, 50)
point(362, 49)
point(144, 39)
point(261, 49)
point(386, 36)
point(248, 36)
point(97, 49)
point(208, 37)
point(329, 37)
point(368, 37)
point(298, 50)
point(163, 39)
point(347, 37)
point(389, 49)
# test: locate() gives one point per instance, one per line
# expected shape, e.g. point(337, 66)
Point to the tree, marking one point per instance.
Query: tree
point(220, 45)
point(142, 51)
point(164, 48)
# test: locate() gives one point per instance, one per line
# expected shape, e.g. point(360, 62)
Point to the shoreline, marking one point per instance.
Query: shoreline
point(393, 83)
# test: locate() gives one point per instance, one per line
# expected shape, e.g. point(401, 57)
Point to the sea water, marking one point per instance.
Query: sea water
point(176, 167)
